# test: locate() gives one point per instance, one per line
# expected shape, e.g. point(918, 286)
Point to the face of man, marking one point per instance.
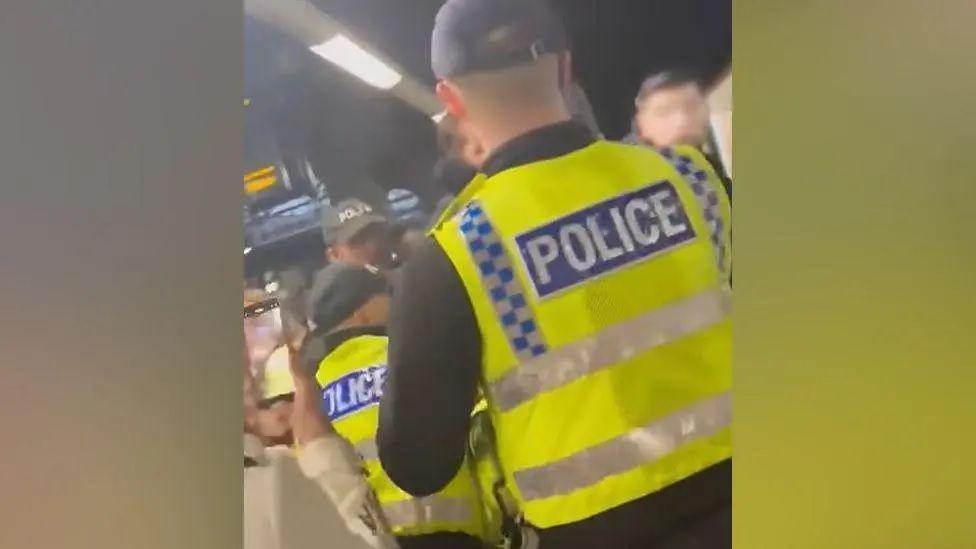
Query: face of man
point(274, 423)
point(672, 116)
point(370, 246)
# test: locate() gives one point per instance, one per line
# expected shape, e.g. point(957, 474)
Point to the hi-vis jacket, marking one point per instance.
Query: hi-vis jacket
point(599, 283)
point(352, 377)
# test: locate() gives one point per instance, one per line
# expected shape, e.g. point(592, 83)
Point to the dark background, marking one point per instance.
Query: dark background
point(360, 141)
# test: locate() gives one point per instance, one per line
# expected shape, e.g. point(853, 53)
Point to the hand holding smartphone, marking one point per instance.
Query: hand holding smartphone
point(262, 334)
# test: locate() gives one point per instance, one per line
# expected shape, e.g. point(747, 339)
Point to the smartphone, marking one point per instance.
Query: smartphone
point(263, 333)
point(255, 310)
point(291, 297)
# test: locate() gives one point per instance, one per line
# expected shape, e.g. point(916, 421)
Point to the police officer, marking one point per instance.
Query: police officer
point(581, 283)
point(356, 234)
point(350, 311)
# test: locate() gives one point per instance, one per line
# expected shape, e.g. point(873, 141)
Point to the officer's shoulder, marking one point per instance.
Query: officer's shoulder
point(701, 161)
point(691, 153)
point(687, 153)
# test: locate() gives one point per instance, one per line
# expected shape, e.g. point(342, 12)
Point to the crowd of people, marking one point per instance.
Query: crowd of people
point(540, 360)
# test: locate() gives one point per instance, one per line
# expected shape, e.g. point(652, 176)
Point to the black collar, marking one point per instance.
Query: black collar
point(540, 144)
point(339, 337)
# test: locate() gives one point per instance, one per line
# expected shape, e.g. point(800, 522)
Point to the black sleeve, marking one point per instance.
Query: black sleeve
point(719, 170)
point(434, 367)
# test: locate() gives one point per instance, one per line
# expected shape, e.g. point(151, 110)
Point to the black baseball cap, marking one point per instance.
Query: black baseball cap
point(485, 35)
point(342, 222)
point(339, 290)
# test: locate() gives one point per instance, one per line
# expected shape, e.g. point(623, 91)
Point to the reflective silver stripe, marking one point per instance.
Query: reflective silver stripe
point(426, 510)
point(628, 451)
point(563, 365)
point(367, 450)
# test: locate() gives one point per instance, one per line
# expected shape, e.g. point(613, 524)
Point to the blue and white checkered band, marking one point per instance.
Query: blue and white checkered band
point(707, 197)
point(498, 277)
point(354, 392)
point(604, 237)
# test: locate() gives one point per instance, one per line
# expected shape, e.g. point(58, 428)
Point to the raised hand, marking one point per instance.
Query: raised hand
point(308, 420)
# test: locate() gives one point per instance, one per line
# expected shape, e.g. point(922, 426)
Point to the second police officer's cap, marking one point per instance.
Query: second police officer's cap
point(485, 35)
point(344, 221)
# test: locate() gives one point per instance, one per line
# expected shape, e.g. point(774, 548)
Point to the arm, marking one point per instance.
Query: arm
point(434, 367)
point(331, 462)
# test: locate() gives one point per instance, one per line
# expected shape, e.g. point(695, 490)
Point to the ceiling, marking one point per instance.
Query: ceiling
point(355, 134)
point(360, 140)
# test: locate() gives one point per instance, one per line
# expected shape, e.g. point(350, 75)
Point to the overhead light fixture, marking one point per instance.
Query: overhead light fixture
point(247, 251)
point(351, 57)
point(439, 116)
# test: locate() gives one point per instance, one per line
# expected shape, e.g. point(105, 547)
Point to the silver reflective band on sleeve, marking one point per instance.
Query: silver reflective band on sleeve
point(563, 365)
point(367, 450)
point(427, 510)
point(630, 450)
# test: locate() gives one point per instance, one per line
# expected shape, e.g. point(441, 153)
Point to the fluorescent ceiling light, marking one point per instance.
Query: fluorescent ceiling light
point(350, 56)
point(438, 117)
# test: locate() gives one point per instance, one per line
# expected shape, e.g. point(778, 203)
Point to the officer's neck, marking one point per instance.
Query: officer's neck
point(341, 335)
point(495, 136)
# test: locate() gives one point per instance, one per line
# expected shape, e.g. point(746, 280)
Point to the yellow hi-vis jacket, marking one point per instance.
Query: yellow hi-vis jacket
point(598, 280)
point(352, 378)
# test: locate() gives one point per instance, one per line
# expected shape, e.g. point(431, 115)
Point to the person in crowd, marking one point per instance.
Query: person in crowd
point(355, 234)
point(671, 110)
point(263, 330)
point(297, 500)
point(351, 311)
point(408, 222)
point(410, 238)
point(404, 207)
point(450, 176)
point(331, 461)
point(580, 287)
point(274, 411)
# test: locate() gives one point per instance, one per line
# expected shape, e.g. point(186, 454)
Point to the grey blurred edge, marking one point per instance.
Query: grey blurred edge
point(120, 234)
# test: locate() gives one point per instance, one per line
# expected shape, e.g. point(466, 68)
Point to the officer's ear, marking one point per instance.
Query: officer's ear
point(450, 97)
point(331, 254)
